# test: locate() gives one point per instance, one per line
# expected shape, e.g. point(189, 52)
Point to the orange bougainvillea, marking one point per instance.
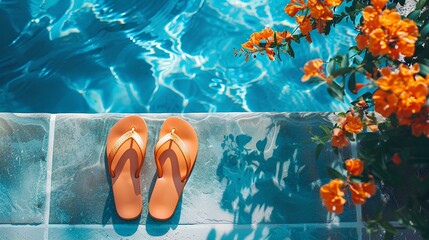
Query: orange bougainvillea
point(403, 93)
point(266, 40)
point(316, 14)
point(353, 123)
point(314, 68)
point(354, 166)
point(384, 33)
point(362, 191)
point(339, 138)
point(420, 125)
point(332, 196)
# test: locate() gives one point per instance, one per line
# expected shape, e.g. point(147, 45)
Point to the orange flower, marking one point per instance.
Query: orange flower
point(354, 166)
point(390, 81)
point(412, 100)
point(389, 18)
point(362, 41)
point(249, 45)
point(378, 42)
point(294, 7)
point(339, 138)
point(385, 103)
point(421, 126)
point(384, 33)
point(379, 4)
point(333, 196)
point(304, 24)
point(264, 41)
point(362, 191)
point(333, 3)
point(283, 36)
point(401, 92)
point(314, 68)
point(353, 123)
point(319, 10)
point(270, 53)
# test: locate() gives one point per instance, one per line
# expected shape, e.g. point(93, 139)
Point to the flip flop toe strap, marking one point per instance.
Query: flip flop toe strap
point(183, 149)
point(132, 134)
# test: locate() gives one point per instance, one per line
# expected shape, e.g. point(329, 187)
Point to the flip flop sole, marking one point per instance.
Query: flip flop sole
point(168, 188)
point(124, 164)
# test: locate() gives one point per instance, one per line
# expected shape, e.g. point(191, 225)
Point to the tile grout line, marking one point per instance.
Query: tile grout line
point(359, 221)
point(49, 175)
point(359, 227)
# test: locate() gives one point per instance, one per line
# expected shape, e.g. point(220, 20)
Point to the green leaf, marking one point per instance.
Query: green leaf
point(420, 4)
point(319, 149)
point(297, 37)
point(290, 51)
point(345, 61)
point(331, 66)
point(352, 83)
point(354, 48)
point(424, 70)
point(387, 226)
point(326, 129)
point(424, 31)
point(335, 174)
point(342, 71)
point(414, 14)
point(342, 114)
point(424, 16)
point(336, 91)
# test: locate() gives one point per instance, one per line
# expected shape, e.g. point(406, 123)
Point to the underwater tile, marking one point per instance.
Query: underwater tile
point(251, 168)
point(21, 232)
point(24, 145)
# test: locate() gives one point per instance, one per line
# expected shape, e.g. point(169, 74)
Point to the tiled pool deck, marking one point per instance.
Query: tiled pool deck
point(256, 177)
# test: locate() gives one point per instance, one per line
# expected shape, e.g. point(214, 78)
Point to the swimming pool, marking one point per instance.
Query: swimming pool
point(153, 56)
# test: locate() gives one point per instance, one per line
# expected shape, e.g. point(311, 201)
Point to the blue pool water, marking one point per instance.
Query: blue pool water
point(153, 56)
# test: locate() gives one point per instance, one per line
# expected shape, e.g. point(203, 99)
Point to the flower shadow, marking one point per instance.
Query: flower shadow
point(270, 181)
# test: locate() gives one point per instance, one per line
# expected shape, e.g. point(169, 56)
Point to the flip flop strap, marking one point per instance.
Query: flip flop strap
point(132, 134)
point(183, 149)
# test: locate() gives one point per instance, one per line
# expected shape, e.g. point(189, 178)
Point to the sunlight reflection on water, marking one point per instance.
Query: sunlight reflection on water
point(153, 56)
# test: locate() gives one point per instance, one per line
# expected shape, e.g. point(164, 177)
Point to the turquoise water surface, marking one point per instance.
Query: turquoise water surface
point(153, 56)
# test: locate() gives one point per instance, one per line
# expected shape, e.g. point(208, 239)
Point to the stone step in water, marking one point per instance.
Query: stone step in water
point(256, 177)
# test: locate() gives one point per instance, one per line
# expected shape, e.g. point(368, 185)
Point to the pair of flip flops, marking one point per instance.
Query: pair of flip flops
point(175, 155)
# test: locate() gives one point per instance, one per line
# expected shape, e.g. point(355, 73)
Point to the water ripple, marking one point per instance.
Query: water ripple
point(152, 56)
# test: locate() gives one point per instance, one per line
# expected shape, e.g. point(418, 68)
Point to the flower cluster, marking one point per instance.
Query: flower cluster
point(332, 193)
point(351, 123)
point(314, 68)
point(384, 33)
point(316, 13)
point(404, 94)
point(267, 41)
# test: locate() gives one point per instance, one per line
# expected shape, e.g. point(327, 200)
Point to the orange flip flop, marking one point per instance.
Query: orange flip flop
point(175, 155)
point(126, 149)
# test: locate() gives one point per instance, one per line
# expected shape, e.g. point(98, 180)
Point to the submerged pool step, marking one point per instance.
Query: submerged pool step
point(256, 176)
